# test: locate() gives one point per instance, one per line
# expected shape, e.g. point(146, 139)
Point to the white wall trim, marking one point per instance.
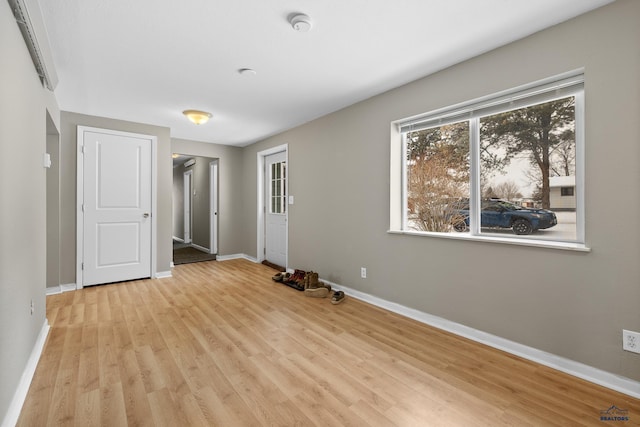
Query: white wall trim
point(606, 379)
point(54, 290)
point(178, 239)
point(163, 274)
point(214, 166)
point(200, 248)
point(236, 256)
point(13, 413)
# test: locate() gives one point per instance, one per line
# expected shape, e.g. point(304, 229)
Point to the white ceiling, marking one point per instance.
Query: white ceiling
point(148, 60)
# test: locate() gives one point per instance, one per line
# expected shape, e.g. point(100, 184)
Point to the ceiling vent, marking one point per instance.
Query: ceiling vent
point(29, 19)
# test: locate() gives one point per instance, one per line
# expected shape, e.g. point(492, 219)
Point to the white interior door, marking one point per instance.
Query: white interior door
point(187, 206)
point(117, 217)
point(275, 199)
point(213, 198)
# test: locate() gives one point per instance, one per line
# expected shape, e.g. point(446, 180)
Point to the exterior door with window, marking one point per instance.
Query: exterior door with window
point(276, 208)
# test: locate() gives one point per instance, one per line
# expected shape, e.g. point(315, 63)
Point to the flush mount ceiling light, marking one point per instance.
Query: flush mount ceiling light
point(197, 117)
point(300, 22)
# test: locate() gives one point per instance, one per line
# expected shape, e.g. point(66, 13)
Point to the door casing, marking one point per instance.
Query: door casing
point(188, 206)
point(213, 207)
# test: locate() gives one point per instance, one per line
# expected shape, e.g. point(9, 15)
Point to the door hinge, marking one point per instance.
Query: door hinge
point(82, 149)
point(82, 266)
point(82, 207)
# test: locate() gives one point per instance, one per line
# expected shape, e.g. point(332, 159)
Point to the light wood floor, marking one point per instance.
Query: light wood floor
point(221, 344)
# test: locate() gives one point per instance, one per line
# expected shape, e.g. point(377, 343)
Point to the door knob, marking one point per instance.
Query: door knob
point(145, 215)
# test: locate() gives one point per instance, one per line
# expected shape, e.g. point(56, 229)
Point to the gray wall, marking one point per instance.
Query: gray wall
point(24, 105)
point(567, 303)
point(68, 158)
point(230, 173)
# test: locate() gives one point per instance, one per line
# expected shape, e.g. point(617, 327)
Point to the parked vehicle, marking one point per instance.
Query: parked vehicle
point(498, 213)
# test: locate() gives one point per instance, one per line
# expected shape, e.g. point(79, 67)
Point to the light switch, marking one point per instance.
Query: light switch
point(46, 160)
point(290, 200)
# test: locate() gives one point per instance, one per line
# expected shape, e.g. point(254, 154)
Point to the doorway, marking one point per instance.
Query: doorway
point(53, 205)
point(195, 208)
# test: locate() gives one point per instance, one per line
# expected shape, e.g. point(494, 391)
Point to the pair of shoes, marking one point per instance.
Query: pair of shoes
point(318, 289)
point(320, 292)
point(311, 280)
point(338, 297)
point(296, 280)
point(281, 277)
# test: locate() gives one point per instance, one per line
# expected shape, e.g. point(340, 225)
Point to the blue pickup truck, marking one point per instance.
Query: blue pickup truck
point(498, 213)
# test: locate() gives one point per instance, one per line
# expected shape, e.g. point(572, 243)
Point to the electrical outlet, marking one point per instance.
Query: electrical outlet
point(631, 341)
point(363, 272)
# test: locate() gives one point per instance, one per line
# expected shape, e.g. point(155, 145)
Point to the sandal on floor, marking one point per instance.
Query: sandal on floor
point(337, 297)
point(280, 277)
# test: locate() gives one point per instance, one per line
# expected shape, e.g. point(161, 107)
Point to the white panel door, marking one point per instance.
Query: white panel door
point(276, 209)
point(117, 207)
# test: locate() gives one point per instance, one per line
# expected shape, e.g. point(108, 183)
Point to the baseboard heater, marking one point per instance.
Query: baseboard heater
point(29, 19)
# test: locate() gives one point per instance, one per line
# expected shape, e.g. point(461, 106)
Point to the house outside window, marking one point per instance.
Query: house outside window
point(566, 191)
point(497, 166)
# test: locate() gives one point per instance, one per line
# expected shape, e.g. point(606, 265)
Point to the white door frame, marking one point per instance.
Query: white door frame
point(213, 207)
point(261, 202)
point(80, 196)
point(187, 205)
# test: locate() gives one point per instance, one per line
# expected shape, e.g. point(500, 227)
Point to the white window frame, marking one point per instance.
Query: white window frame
point(280, 182)
point(557, 87)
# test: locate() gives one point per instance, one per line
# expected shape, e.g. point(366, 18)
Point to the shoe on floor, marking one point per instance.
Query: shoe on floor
point(337, 297)
point(311, 280)
point(321, 292)
point(282, 276)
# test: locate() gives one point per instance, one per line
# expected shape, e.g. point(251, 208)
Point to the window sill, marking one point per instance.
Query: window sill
point(568, 246)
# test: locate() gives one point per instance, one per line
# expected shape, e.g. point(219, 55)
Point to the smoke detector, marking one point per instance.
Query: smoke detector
point(300, 22)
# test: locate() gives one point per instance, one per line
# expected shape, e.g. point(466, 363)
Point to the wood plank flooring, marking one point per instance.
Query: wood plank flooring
point(221, 344)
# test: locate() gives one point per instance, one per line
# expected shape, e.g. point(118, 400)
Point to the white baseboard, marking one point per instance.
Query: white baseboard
point(54, 290)
point(13, 413)
point(571, 367)
point(178, 239)
point(236, 256)
point(200, 248)
point(163, 274)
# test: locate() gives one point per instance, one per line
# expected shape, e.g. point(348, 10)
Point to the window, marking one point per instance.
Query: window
point(566, 191)
point(484, 168)
point(278, 188)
